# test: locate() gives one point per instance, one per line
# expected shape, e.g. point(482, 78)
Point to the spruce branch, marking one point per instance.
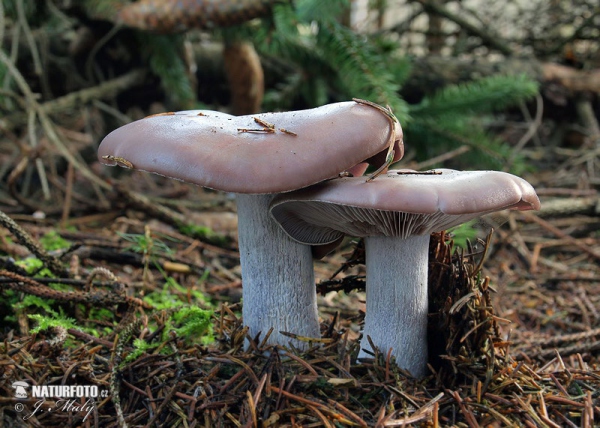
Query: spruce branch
point(289, 44)
point(360, 68)
point(163, 52)
point(481, 96)
point(32, 245)
point(434, 135)
point(321, 11)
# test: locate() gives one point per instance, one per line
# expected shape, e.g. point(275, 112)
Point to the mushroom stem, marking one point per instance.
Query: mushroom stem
point(397, 299)
point(277, 273)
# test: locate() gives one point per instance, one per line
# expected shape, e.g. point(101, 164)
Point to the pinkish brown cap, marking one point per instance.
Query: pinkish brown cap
point(262, 153)
point(401, 203)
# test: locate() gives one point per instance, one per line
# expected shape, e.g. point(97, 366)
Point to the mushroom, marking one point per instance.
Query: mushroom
point(396, 214)
point(255, 157)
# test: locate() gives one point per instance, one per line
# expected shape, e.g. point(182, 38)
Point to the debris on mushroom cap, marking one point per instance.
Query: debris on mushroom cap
point(262, 153)
point(402, 203)
point(378, 160)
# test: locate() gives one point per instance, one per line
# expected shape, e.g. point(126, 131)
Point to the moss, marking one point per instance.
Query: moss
point(52, 241)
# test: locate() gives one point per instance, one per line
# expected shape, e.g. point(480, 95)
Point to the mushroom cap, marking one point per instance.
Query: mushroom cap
point(216, 150)
point(401, 203)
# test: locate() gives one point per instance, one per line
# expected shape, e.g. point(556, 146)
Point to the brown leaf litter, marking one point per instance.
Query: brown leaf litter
point(477, 380)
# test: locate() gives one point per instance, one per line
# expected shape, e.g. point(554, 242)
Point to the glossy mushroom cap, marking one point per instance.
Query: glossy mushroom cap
point(262, 153)
point(401, 203)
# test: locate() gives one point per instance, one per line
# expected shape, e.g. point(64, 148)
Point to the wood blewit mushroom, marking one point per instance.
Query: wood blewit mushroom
point(396, 214)
point(255, 157)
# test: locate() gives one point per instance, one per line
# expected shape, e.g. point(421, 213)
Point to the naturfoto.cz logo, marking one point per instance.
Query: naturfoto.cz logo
point(58, 398)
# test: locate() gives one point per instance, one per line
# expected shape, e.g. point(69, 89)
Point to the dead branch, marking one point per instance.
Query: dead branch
point(104, 90)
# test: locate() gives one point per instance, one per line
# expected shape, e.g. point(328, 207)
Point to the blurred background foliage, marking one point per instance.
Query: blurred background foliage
point(310, 53)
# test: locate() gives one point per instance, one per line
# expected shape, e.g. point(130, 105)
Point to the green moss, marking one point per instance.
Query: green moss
point(140, 347)
point(52, 241)
point(463, 233)
point(37, 303)
point(33, 265)
point(203, 233)
point(194, 324)
point(173, 295)
point(45, 323)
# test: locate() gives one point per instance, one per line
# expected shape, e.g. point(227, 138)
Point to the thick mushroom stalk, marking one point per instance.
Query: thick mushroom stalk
point(278, 276)
point(256, 157)
point(397, 305)
point(396, 214)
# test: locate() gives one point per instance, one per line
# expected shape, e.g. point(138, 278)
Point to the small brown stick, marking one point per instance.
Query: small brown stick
point(99, 271)
point(347, 412)
point(321, 416)
point(143, 203)
point(68, 194)
point(488, 38)
point(428, 407)
point(588, 412)
point(230, 359)
point(264, 123)
point(470, 418)
point(166, 113)
point(574, 337)
point(252, 408)
point(307, 339)
point(90, 338)
point(297, 398)
point(267, 128)
point(556, 231)
point(116, 358)
point(119, 160)
point(343, 371)
point(286, 131)
point(558, 385)
point(263, 342)
point(26, 240)
point(380, 415)
point(443, 157)
point(48, 127)
point(571, 350)
point(544, 412)
point(389, 157)
point(259, 389)
point(528, 408)
point(489, 409)
point(432, 172)
point(563, 400)
point(302, 363)
point(29, 286)
point(256, 131)
point(231, 380)
point(164, 404)
point(105, 90)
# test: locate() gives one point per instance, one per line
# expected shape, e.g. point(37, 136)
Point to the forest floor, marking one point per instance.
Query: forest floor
point(514, 341)
point(128, 285)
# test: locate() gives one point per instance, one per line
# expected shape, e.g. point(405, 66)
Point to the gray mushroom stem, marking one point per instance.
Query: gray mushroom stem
point(278, 277)
point(397, 306)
